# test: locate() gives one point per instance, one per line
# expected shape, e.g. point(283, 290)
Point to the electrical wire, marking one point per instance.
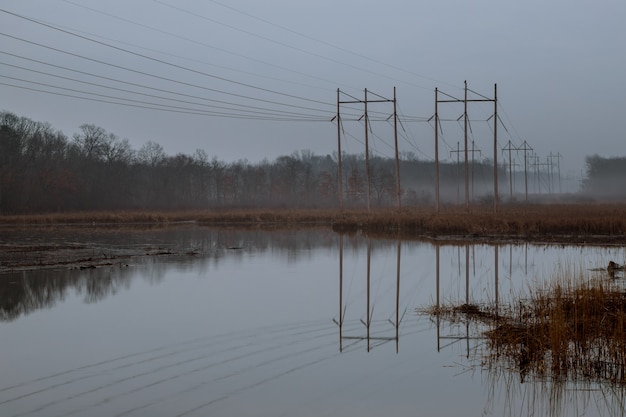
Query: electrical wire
point(165, 78)
point(266, 90)
point(174, 35)
point(266, 112)
point(334, 46)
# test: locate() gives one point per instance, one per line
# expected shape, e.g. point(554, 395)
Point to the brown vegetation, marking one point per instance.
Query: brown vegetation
point(565, 330)
point(566, 223)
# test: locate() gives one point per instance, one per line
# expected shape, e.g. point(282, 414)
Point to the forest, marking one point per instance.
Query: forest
point(606, 177)
point(43, 170)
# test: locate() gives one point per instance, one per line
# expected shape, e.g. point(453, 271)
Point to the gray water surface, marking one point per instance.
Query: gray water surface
point(286, 323)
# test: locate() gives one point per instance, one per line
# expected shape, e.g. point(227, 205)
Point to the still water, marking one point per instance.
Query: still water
point(284, 323)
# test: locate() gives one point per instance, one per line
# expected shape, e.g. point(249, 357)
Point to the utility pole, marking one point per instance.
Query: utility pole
point(395, 138)
point(510, 147)
point(525, 148)
point(547, 165)
point(465, 102)
point(473, 151)
point(458, 172)
point(465, 139)
point(535, 163)
point(437, 149)
point(495, 148)
point(367, 128)
point(367, 155)
point(514, 165)
point(339, 167)
point(558, 157)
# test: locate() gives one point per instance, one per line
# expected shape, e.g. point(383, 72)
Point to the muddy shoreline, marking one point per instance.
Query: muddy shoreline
point(101, 239)
point(37, 247)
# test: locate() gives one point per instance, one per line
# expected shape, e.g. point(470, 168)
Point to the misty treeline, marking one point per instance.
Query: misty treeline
point(606, 177)
point(43, 170)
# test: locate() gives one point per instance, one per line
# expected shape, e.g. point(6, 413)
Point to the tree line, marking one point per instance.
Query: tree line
point(43, 170)
point(606, 177)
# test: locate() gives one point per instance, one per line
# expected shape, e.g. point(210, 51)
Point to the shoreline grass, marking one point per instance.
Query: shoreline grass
point(569, 328)
point(571, 222)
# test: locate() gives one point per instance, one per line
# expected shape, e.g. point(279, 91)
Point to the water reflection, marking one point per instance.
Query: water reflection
point(25, 291)
point(369, 308)
point(591, 380)
point(235, 322)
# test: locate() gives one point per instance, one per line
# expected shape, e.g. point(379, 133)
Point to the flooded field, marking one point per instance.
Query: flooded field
point(192, 321)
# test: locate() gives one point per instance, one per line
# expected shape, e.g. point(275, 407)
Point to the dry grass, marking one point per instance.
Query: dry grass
point(545, 222)
point(563, 330)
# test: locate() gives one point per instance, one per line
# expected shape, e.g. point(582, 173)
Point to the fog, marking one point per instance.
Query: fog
point(254, 80)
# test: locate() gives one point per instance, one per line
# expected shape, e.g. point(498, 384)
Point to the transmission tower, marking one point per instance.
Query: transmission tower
point(365, 117)
point(525, 148)
point(510, 147)
point(465, 101)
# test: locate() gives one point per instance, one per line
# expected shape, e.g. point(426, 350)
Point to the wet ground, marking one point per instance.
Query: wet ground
point(35, 248)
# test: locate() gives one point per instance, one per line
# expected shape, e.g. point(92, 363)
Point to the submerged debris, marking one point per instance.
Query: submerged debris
point(614, 267)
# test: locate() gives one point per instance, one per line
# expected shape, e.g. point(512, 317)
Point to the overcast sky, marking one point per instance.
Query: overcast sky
point(258, 78)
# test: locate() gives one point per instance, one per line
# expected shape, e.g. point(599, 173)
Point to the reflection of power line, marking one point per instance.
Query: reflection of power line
point(368, 337)
point(156, 357)
point(466, 308)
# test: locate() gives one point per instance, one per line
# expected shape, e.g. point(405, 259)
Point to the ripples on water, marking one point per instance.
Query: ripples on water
point(293, 323)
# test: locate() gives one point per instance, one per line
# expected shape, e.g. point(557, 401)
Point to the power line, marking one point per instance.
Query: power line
point(146, 105)
point(331, 45)
point(198, 61)
point(174, 35)
point(163, 78)
point(156, 60)
point(265, 111)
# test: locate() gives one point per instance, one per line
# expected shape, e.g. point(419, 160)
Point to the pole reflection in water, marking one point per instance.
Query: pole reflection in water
point(454, 336)
point(369, 304)
point(580, 378)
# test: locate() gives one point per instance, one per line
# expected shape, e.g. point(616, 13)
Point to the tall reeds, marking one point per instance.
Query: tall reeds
point(569, 328)
point(606, 223)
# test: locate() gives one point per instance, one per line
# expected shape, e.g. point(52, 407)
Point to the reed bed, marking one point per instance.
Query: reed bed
point(567, 329)
point(530, 222)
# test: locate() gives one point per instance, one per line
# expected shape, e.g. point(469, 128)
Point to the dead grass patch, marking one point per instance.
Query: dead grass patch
point(530, 222)
point(563, 330)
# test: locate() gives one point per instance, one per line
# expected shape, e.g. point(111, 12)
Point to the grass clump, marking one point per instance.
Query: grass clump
point(562, 331)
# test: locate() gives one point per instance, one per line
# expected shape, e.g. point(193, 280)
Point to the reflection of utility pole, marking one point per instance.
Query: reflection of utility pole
point(341, 315)
point(525, 148)
point(369, 303)
point(369, 316)
point(397, 323)
point(495, 265)
point(437, 278)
